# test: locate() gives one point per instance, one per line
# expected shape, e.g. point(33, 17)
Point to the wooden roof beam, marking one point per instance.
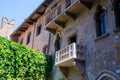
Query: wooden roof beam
point(40, 13)
point(33, 20)
point(30, 23)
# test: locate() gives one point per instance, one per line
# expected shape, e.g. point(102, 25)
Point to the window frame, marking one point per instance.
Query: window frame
point(117, 13)
point(101, 21)
point(57, 44)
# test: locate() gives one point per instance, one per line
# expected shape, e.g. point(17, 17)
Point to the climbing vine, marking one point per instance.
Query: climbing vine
point(50, 60)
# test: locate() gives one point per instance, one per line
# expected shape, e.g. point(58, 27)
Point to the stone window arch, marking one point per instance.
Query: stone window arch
point(57, 43)
point(107, 75)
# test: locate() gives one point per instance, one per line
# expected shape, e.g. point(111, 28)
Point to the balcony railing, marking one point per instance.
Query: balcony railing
point(61, 9)
point(66, 54)
point(68, 2)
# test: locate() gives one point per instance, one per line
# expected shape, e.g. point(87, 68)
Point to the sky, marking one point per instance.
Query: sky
point(18, 10)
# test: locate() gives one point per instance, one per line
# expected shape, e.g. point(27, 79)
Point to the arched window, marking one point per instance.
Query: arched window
point(117, 13)
point(28, 38)
point(101, 27)
point(57, 43)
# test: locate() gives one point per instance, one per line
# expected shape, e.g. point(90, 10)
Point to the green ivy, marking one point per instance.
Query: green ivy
point(17, 62)
point(50, 61)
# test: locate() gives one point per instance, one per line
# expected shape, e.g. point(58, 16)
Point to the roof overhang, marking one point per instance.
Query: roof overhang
point(39, 11)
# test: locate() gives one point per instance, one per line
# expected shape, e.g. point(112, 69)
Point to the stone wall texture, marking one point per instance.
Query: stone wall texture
point(6, 27)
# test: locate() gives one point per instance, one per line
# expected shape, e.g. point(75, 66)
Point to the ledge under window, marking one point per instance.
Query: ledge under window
point(117, 30)
point(102, 36)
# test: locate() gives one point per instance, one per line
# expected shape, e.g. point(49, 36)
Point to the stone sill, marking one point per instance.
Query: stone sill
point(117, 30)
point(102, 36)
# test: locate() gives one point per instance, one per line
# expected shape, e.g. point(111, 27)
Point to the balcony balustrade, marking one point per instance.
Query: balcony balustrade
point(60, 10)
point(67, 55)
point(63, 13)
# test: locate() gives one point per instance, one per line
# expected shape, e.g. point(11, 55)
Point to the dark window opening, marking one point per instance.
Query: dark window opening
point(72, 39)
point(38, 31)
point(21, 42)
point(28, 38)
point(57, 43)
point(117, 13)
point(101, 27)
point(45, 49)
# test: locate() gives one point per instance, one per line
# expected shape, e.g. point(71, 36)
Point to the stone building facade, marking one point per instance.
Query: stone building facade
point(32, 31)
point(6, 27)
point(84, 36)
